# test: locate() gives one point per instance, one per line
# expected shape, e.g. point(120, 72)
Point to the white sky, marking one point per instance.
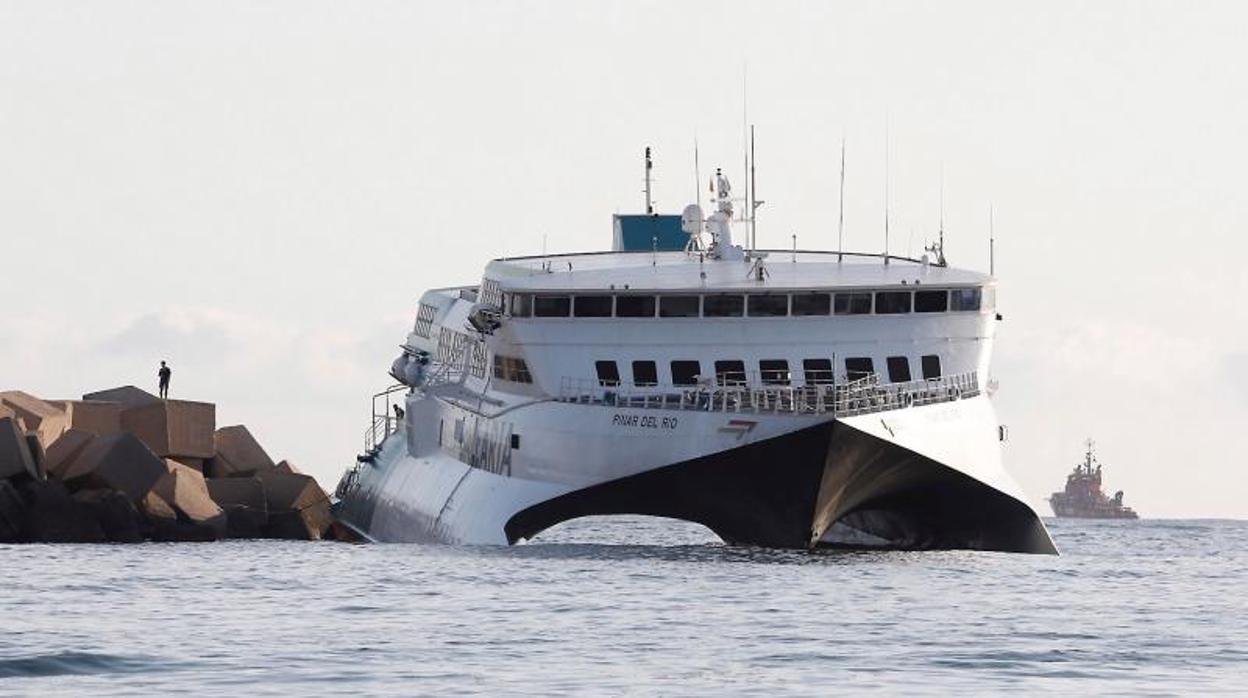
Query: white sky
point(259, 192)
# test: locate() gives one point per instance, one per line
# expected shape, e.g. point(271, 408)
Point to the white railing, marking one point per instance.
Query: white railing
point(862, 396)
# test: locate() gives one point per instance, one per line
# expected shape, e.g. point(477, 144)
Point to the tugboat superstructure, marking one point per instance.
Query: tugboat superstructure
point(780, 398)
point(1083, 497)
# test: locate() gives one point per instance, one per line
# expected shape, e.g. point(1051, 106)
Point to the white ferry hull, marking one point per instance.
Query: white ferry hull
point(927, 477)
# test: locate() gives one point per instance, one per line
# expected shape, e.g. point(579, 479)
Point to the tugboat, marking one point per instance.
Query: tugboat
point(781, 398)
point(1083, 498)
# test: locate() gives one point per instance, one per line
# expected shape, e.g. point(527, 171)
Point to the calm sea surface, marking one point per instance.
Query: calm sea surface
point(632, 606)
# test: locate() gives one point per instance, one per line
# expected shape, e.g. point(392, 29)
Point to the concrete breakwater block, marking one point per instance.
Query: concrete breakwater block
point(115, 513)
point(185, 490)
point(61, 454)
point(12, 513)
point(90, 415)
point(37, 455)
point(127, 396)
point(41, 417)
point(16, 459)
point(52, 516)
point(173, 427)
point(238, 453)
point(116, 461)
point(298, 507)
point(246, 509)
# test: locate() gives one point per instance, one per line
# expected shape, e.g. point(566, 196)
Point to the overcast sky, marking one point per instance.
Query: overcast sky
point(258, 192)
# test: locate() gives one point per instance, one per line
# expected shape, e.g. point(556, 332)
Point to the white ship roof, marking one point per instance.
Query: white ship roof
point(674, 271)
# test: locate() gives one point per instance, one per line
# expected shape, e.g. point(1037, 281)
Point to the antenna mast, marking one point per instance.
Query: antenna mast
point(992, 245)
point(649, 166)
point(840, 220)
point(697, 174)
point(886, 194)
point(745, 150)
point(754, 202)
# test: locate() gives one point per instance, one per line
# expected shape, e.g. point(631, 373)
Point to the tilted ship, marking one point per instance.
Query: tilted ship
point(1083, 497)
point(780, 398)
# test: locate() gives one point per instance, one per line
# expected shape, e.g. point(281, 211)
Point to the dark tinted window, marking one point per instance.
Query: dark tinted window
point(634, 306)
point(898, 369)
point(856, 368)
point(592, 306)
point(965, 299)
point(817, 371)
point(730, 372)
point(853, 303)
point(723, 306)
point(685, 372)
point(678, 306)
point(774, 371)
point(552, 306)
point(521, 304)
point(892, 302)
point(931, 366)
point(769, 306)
point(608, 373)
point(645, 373)
point(816, 303)
point(931, 301)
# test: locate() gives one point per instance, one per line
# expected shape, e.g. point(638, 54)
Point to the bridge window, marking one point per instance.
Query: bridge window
point(645, 373)
point(770, 305)
point(521, 304)
point(817, 371)
point(679, 306)
point(723, 306)
point(965, 298)
point(858, 367)
point(730, 372)
point(552, 306)
point(774, 371)
point(685, 372)
point(853, 304)
point(898, 369)
point(931, 366)
point(608, 373)
point(510, 368)
point(816, 303)
point(931, 301)
point(892, 302)
point(592, 306)
point(634, 306)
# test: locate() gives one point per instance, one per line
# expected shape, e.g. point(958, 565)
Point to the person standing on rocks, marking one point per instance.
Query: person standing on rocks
point(164, 373)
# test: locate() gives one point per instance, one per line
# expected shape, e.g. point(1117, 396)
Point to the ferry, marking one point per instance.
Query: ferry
point(780, 398)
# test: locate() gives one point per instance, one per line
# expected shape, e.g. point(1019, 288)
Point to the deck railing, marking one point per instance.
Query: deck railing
point(861, 396)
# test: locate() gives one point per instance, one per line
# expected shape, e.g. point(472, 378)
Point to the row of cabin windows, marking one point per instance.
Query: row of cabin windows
point(745, 305)
point(731, 372)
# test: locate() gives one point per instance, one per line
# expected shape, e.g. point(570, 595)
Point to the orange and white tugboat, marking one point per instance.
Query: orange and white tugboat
point(1083, 497)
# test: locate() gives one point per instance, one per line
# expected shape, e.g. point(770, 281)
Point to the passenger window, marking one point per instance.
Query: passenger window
point(723, 306)
point(898, 369)
point(931, 301)
point(853, 304)
point(512, 369)
point(552, 306)
point(859, 367)
point(645, 373)
point(592, 306)
point(892, 302)
point(521, 305)
point(965, 298)
point(634, 306)
point(769, 305)
point(774, 371)
point(730, 372)
point(817, 371)
point(679, 306)
point(816, 303)
point(931, 366)
point(608, 373)
point(685, 372)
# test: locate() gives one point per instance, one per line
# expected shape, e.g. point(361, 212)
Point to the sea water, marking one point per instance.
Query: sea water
point(632, 606)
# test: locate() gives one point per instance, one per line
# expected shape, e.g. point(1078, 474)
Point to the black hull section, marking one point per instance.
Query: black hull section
point(788, 491)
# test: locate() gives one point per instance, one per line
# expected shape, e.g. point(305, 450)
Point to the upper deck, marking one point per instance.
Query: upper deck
point(671, 271)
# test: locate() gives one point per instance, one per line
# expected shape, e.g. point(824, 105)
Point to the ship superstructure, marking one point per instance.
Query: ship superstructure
point(780, 398)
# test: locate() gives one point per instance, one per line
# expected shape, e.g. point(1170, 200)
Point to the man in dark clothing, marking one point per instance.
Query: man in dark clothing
point(164, 374)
